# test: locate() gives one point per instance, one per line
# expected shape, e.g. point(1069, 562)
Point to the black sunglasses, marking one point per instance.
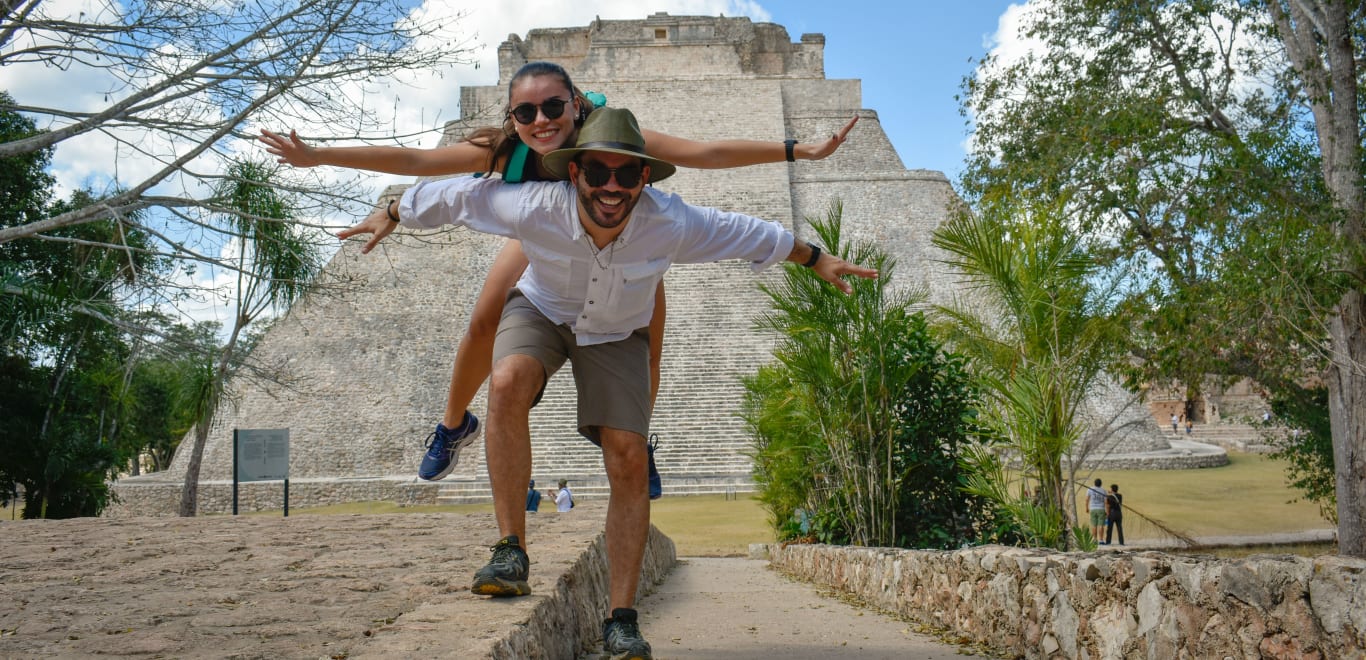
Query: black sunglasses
point(597, 174)
point(552, 108)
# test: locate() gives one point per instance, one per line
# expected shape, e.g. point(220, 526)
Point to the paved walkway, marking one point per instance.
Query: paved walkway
point(739, 608)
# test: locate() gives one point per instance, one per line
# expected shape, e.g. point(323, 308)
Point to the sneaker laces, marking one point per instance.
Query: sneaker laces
point(504, 552)
point(628, 629)
point(438, 438)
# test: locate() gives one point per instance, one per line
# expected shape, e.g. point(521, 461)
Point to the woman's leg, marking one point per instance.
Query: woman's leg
point(656, 342)
point(474, 356)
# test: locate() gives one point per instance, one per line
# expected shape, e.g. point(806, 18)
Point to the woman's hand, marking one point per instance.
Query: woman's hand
point(291, 150)
point(819, 150)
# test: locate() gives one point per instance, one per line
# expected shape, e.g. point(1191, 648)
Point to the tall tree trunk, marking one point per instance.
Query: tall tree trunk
point(1318, 38)
point(1347, 412)
point(189, 492)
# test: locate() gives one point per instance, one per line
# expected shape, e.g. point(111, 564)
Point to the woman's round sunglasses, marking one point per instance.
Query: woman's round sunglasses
point(552, 108)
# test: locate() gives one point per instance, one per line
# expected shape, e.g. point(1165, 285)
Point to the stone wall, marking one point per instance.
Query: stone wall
point(1036, 604)
point(160, 497)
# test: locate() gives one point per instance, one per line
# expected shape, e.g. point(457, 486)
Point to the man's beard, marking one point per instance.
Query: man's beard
point(616, 216)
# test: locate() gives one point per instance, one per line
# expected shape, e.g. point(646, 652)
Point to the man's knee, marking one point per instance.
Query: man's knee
point(516, 380)
point(623, 453)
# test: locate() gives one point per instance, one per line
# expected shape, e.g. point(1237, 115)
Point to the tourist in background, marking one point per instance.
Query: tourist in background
point(1095, 505)
point(1114, 514)
point(564, 498)
point(533, 497)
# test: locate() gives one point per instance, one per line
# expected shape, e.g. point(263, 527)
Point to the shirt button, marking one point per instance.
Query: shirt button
point(584, 316)
point(590, 302)
point(595, 279)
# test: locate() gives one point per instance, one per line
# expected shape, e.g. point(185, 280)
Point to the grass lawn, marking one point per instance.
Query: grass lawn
point(1248, 496)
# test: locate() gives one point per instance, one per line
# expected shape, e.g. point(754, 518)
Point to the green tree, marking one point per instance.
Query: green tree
point(25, 185)
point(62, 359)
point(1035, 328)
point(859, 420)
point(1217, 148)
point(186, 82)
point(275, 266)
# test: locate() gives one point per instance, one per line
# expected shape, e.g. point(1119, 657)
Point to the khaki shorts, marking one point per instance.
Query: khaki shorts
point(1097, 517)
point(612, 379)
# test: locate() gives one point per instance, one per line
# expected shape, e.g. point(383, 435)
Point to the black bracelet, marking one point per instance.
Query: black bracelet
point(389, 209)
point(815, 255)
point(788, 144)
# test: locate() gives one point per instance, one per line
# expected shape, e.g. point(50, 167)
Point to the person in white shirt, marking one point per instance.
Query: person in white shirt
point(564, 499)
point(597, 245)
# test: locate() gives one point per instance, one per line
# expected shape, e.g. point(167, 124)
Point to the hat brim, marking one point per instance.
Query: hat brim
point(557, 162)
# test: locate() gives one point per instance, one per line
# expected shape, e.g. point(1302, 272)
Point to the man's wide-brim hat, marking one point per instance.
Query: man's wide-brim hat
point(613, 130)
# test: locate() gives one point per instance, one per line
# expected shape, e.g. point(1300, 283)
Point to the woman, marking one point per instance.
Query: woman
point(544, 113)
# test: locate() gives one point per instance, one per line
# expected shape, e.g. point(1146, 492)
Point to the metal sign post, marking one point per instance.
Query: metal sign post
point(260, 455)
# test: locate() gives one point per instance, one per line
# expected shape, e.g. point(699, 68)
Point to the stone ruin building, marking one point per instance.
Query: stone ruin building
point(370, 368)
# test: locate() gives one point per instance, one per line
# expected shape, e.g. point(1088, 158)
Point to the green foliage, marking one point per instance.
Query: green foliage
point(25, 185)
point(859, 419)
point(1307, 448)
point(276, 265)
point(62, 357)
point(1036, 328)
point(1185, 149)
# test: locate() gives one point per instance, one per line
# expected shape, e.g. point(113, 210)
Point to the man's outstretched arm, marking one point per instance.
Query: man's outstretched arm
point(827, 266)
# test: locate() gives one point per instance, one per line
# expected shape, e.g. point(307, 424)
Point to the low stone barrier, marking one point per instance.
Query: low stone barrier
point(142, 496)
point(1038, 604)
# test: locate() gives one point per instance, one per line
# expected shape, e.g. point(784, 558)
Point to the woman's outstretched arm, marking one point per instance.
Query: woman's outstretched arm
point(459, 158)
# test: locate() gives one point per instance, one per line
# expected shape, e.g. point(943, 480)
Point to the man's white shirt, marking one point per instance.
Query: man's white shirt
point(602, 295)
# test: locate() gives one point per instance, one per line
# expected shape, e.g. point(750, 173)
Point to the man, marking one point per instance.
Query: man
point(533, 497)
point(598, 244)
point(564, 499)
point(1114, 514)
point(1095, 503)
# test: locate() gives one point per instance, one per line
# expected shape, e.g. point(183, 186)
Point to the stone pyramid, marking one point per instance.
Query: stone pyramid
point(370, 367)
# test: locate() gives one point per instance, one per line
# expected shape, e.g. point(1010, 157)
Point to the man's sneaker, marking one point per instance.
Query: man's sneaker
point(656, 486)
point(621, 638)
point(443, 448)
point(505, 574)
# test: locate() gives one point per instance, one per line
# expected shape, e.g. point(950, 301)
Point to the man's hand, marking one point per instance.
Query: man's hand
point(832, 269)
point(377, 224)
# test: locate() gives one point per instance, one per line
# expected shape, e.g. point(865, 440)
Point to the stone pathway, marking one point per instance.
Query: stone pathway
point(740, 608)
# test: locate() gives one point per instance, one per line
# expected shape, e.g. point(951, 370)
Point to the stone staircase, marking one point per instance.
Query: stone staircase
point(1232, 436)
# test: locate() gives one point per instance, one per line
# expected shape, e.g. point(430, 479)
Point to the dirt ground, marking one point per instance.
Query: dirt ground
point(264, 587)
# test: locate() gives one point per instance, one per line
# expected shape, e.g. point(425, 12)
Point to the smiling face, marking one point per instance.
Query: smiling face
point(543, 134)
point(607, 205)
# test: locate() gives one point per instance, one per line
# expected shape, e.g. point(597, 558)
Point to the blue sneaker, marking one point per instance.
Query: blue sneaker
point(443, 448)
point(656, 486)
